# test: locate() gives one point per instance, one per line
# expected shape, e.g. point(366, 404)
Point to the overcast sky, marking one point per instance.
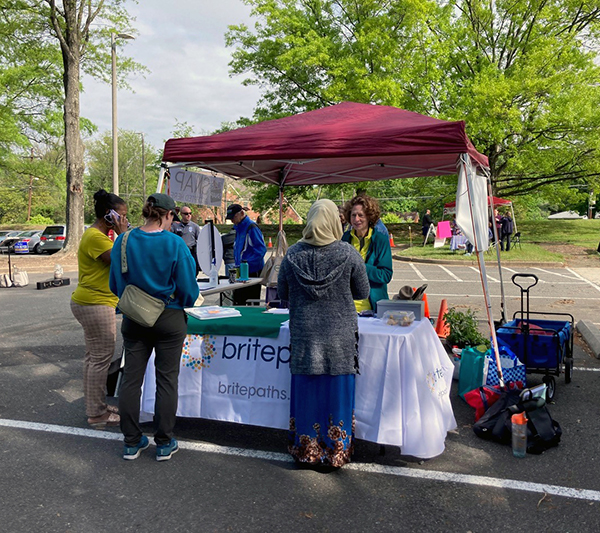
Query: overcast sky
point(182, 43)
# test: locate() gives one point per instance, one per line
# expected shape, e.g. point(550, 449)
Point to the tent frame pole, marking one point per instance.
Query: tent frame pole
point(496, 238)
point(465, 160)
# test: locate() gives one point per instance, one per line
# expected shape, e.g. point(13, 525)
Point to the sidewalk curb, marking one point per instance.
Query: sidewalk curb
point(591, 335)
point(473, 262)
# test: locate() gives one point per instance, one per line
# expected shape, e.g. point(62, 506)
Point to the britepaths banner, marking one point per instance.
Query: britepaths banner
point(196, 188)
point(402, 392)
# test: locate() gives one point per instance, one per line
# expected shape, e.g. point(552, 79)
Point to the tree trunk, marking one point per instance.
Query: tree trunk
point(73, 150)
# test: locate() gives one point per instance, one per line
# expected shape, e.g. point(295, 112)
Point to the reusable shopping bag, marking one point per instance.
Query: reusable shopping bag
point(472, 360)
point(513, 371)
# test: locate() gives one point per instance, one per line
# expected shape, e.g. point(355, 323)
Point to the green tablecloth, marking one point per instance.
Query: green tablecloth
point(253, 323)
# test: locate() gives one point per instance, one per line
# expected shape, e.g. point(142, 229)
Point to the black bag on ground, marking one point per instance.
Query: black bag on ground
point(542, 431)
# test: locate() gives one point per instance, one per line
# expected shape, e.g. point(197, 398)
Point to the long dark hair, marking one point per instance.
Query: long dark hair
point(105, 201)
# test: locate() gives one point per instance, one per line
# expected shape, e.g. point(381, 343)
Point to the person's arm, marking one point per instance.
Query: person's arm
point(184, 275)
point(283, 290)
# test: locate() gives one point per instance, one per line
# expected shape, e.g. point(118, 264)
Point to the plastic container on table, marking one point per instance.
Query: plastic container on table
point(398, 318)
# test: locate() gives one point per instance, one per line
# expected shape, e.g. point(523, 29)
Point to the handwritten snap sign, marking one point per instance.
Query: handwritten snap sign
point(196, 188)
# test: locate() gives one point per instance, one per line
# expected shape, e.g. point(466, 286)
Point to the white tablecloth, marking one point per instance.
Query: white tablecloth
point(402, 392)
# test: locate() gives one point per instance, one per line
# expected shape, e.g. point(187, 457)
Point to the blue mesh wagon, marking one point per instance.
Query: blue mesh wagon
point(545, 344)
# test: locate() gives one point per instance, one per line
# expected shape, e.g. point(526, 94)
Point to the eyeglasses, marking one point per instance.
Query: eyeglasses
point(185, 214)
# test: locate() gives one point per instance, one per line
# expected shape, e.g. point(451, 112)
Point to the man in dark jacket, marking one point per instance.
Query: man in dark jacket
point(506, 231)
point(427, 222)
point(249, 247)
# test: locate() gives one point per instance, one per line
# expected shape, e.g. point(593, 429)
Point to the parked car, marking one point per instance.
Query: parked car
point(31, 237)
point(5, 235)
point(52, 239)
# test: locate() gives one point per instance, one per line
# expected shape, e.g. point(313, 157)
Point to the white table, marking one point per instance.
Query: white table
point(224, 286)
point(402, 392)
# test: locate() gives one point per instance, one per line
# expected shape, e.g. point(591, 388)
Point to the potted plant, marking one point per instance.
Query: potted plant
point(463, 329)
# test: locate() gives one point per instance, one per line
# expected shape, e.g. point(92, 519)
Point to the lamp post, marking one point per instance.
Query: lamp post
point(115, 134)
point(141, 134)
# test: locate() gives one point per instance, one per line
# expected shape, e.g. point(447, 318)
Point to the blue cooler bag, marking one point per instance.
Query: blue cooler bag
point(513, 371)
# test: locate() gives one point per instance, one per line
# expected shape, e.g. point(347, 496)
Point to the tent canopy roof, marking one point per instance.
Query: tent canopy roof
point(343, 143)
point(497, 201)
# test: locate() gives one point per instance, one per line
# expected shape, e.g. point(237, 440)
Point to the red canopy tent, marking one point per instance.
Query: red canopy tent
point(343, 143)
point(497, 201)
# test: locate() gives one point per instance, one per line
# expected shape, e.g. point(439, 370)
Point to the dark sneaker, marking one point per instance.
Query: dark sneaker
point(165, 451)
point(133, 452)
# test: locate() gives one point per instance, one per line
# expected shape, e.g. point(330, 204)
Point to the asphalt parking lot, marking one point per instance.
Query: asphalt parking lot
point(58, 475)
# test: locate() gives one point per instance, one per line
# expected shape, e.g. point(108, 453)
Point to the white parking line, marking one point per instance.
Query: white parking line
point(488, 276)
point(553, 273)
point(418, 272)
point(450, 273)
point(586, 280)
point(415, 473)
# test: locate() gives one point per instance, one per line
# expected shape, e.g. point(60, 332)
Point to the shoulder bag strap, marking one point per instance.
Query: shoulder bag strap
point(124, 268)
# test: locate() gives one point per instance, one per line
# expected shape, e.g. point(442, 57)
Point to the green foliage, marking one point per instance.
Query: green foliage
point(131, 184)
point(463, 329)
point(390, 218)
point(523, 75)
point(40, 220)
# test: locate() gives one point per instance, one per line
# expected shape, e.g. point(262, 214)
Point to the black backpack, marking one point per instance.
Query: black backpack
point(543, 431)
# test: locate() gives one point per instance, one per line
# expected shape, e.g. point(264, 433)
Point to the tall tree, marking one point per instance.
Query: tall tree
point(70, 37)
point(521, 73)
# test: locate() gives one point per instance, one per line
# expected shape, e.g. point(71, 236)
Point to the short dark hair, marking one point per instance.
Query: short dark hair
point(105, 201)
point(370, 206)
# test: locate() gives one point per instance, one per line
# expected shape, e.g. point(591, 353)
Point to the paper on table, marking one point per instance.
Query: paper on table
point(212, 312)
point(277, 311)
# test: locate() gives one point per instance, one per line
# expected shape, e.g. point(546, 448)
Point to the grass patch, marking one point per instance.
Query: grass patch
point(529, 252)
point(580, 232)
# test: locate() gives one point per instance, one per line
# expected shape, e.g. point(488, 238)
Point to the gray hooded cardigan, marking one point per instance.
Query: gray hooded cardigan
point(321, 284)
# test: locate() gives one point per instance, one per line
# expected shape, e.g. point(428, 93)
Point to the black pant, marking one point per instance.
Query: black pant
point(166, 338)
point(240, 296)
point(193, 251)
point(505, 237)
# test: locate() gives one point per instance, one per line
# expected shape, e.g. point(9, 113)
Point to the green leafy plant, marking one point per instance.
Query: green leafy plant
point(463, 329)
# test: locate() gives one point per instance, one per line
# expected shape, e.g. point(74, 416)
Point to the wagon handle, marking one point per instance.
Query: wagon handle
point(522, 287)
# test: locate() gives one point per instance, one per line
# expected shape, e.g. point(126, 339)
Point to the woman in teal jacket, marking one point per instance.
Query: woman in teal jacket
point(363, 213)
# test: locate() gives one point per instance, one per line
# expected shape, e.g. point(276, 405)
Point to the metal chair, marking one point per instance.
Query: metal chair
point(516, 240)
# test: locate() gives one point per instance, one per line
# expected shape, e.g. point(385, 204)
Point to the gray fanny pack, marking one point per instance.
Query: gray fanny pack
point(135, 303)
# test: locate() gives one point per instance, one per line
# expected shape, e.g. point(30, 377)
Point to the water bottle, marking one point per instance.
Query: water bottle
point(244, 271)
point(519, 435)
point(213, 276)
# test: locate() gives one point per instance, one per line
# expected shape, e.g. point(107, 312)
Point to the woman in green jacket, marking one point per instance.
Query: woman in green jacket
point(363, 213)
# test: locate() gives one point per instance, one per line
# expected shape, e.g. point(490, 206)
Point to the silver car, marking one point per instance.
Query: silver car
point(52, 239)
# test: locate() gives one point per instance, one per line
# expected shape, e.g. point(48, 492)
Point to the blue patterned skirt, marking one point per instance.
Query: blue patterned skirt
point(322, 419)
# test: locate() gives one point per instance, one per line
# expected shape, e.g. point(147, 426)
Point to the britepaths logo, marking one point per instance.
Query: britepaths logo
point(207, 353)
point(435, 381)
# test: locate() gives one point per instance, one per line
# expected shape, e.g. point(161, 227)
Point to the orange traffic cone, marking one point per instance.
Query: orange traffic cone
point(392, 245)
point(270, 245)
point(441, 327)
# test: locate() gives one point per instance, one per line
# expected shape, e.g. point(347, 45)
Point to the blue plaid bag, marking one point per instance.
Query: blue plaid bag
point(513, 371)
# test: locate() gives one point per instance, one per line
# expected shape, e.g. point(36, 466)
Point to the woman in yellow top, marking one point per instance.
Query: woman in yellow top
point(374, 247)
point(93, 305)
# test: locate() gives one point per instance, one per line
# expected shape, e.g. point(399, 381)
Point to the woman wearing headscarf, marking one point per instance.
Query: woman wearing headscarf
point(321, 277)
point(93, 305)
point(160, 263)
point(374, 247)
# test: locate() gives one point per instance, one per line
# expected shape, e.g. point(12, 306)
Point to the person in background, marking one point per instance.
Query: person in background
point(343, 221)
point(426, 224)
point(321, 277)
point(160, 264)
point(506, 231)
point(189, 231)
point(373, 246)
point(93, 305)
point(249, 247)
point(228, 240)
